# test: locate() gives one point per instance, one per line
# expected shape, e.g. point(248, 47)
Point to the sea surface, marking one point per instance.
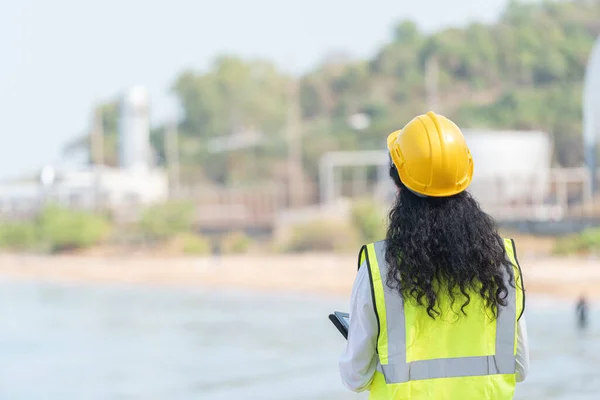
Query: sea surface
point(63, 342)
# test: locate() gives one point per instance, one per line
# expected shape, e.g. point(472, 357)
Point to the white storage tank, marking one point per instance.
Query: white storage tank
point(134, 135)
point(591, 108)
point(510, 166)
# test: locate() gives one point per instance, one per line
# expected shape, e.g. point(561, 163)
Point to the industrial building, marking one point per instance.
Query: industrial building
point(135, 182)
point(510, 166)
point(514, 179)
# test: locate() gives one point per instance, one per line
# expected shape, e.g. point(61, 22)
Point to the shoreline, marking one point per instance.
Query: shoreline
point(323, 274)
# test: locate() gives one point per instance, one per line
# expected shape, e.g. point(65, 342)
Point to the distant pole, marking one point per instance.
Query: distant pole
point(295, 181)
point(382, 181)
point(590, 155)
point(432, 70)
point(97, 139)
point(172, 155)
point(97, 153)
point(359, 181)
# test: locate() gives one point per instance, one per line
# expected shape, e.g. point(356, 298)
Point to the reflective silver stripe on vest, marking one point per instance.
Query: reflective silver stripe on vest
point(400, 371)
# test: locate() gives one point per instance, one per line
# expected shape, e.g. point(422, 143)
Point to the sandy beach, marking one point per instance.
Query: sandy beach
point(327, 274)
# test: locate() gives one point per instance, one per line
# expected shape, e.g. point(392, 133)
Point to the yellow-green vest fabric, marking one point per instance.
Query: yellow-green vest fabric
point(451, 357)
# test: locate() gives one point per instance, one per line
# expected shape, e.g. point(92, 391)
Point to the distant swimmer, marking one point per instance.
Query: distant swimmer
point(582, 310)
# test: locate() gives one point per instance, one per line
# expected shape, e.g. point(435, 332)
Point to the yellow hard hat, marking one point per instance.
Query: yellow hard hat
point(431, 156)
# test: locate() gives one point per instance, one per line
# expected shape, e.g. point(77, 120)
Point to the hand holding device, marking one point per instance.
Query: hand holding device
point(341, 321)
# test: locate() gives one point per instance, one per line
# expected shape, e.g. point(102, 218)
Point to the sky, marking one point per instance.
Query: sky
point(58, 58)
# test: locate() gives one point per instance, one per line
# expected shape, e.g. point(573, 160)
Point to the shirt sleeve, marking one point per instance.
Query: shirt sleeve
point(359, 360)
point(522, 364)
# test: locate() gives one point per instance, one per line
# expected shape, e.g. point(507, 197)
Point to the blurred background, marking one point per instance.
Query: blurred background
point(184, 186)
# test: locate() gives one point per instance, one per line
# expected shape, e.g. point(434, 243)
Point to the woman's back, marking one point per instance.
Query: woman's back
point(447, 292)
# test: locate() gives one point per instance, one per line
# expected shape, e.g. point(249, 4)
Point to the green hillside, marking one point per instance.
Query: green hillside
point(524, 72)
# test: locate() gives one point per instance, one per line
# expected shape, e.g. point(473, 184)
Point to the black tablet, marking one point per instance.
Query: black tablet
point(341, 321)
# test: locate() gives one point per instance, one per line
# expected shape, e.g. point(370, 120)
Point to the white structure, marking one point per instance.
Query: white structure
point(329, 186)
point(510, 166)
point(109, 187)
point(591, 109)
point(17, 199)
point(512, 169)
point(134, 130)
point(88, 189)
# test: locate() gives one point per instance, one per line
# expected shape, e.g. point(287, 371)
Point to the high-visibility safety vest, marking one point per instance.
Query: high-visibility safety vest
point(451, 357)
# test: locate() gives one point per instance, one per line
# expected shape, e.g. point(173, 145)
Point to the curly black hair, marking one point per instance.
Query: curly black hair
point(444, 243)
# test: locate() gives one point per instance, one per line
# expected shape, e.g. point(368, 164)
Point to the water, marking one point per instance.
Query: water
point(91, 342)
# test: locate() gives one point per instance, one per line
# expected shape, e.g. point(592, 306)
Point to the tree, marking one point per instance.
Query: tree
point(523, 72)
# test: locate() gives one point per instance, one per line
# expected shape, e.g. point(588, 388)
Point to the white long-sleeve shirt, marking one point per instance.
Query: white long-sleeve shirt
point(359, 360)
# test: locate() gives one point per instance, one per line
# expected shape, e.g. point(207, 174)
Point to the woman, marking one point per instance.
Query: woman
point(437, 308)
